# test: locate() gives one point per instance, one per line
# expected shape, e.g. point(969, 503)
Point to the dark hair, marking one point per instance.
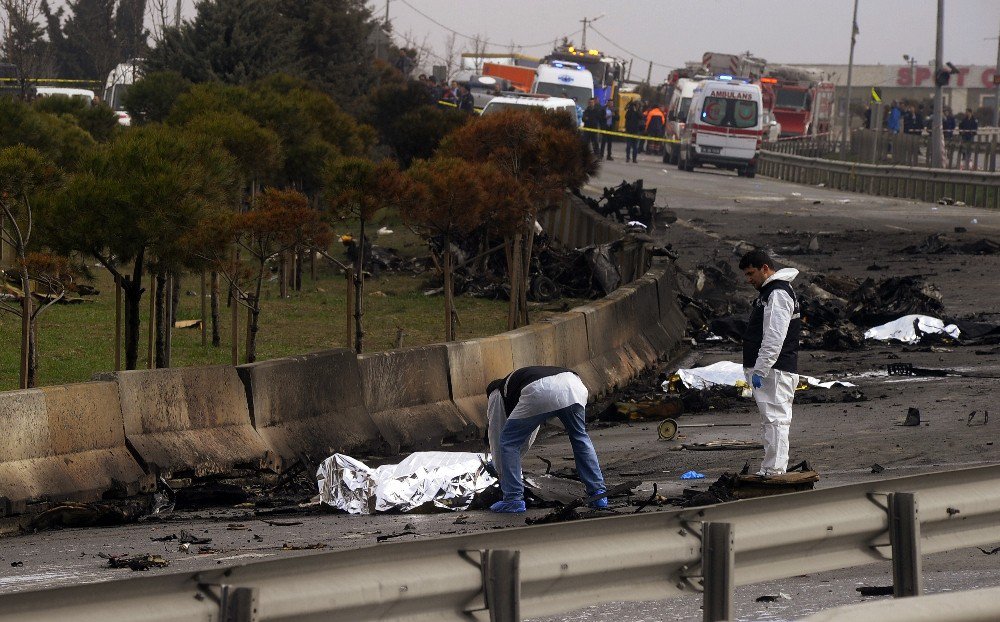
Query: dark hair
point(756, 258)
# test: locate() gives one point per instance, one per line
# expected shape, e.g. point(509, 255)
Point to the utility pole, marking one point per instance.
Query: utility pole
point(586, 21)
point(850, 70)
point(937, 134)
point(649, 74)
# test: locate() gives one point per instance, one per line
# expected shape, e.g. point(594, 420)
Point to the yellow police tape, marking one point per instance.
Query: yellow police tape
point(53, 80)
point(590, 129)
point(624, 135)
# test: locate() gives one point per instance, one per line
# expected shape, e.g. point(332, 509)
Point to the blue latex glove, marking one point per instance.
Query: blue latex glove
point(693, 475)
point(598, 504)
point(757, 381)
point(508, 507)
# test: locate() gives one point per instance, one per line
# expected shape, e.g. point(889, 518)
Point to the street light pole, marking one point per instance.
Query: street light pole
point(850, 70)
point(913, 72)
point(937, 133)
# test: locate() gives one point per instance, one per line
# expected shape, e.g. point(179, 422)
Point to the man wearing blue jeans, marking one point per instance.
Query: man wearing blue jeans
point(521, 402)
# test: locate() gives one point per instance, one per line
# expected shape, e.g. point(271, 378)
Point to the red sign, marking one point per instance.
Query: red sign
point(922, 76)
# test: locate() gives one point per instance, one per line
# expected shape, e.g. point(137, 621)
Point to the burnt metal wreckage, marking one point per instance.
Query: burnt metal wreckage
point(625, 203)
point(835, 310)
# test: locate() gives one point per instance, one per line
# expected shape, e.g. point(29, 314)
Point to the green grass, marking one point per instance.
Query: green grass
point(77, 341)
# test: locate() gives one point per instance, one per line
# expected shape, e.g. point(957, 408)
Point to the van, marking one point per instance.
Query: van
point(525, 101)
point(677, 111)
point(119, 80)
point(564, 79)
point(723, 127)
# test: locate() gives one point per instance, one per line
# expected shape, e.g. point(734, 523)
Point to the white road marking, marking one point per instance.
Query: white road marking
point(900, 228)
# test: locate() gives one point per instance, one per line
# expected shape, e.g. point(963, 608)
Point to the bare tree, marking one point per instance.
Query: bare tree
point(22, 33)
point(162, 14)
point(451, 59)
point(421, 51)
point(479, 45)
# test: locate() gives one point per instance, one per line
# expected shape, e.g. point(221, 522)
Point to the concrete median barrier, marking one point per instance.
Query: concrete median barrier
point(311, 404)
point(408, 397)
point(572, 350)
point(647, 306)
point(472, 365)
point(672, 320)
point(191, 421)
point(611, 327)
point(65, 443)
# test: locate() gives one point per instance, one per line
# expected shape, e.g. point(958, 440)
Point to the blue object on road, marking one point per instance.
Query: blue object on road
point(508, 507)
point(757, 381)
point(693, 475)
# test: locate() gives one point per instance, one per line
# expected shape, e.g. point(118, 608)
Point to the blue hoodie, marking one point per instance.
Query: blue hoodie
point(892, 123)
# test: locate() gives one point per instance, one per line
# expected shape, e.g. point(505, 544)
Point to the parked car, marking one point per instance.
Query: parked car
point(82, 94)
point(528, 101)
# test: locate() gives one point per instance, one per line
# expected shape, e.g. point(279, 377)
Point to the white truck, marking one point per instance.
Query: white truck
point(564, 79)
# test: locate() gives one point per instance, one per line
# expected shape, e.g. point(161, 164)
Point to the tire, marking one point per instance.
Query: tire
point(689, 163)
point(740, 171)
point(751, 171)
point(544, 289)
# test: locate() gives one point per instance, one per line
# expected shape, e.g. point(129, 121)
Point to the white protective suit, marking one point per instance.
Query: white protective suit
point(774, 398)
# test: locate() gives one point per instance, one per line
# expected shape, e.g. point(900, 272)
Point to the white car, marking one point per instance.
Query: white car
point(527, 101)
point(48, 91)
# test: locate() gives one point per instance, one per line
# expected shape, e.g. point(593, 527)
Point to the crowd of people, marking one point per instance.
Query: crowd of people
point(912, 120)
point(642, 119)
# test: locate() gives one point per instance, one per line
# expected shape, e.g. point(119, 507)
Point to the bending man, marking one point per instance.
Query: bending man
point(770, 353)
point(518, 405)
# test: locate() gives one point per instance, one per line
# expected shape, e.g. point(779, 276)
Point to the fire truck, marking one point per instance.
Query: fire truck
point(802, 105)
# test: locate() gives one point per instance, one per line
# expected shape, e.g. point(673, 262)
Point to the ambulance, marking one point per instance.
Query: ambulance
point(724, 127)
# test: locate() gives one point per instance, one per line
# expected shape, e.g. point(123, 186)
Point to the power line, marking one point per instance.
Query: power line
point(630, 53)
point(477, 37)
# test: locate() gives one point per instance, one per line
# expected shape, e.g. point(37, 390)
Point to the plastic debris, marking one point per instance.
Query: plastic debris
point(728, 373)
point(911, 329)
point(912, 418)
point(693, 475)
point(447, 480)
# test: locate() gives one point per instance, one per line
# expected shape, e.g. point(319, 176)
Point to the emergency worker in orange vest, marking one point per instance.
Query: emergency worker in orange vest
point(656, 122)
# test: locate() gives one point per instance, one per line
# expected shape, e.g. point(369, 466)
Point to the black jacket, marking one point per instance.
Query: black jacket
point(593, 117)
point(511, 385)
point(634, 123)
point(788, 358)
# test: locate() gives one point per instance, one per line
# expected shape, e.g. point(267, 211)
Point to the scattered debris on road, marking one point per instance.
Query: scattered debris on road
point(136, 563)
point(875, 590)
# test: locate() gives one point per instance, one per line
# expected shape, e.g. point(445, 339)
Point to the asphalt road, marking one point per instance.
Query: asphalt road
point(842, 441)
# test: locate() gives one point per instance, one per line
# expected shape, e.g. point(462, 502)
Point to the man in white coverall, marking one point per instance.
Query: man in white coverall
point(770, 353)
point(518, 404)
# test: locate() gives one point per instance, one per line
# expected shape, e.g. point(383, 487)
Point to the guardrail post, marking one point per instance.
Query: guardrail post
point(502, 584)
point(238, 604)
point(717, 564)
point(904, 536)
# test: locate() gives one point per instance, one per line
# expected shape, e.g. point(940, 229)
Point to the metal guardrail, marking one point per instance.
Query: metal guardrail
point(881, 147)
point(549, 569)
point(923, 184)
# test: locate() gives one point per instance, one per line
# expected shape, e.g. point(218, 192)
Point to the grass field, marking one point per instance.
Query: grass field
point(76, 341)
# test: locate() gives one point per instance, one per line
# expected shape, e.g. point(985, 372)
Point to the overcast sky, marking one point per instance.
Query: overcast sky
point(671, 32)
